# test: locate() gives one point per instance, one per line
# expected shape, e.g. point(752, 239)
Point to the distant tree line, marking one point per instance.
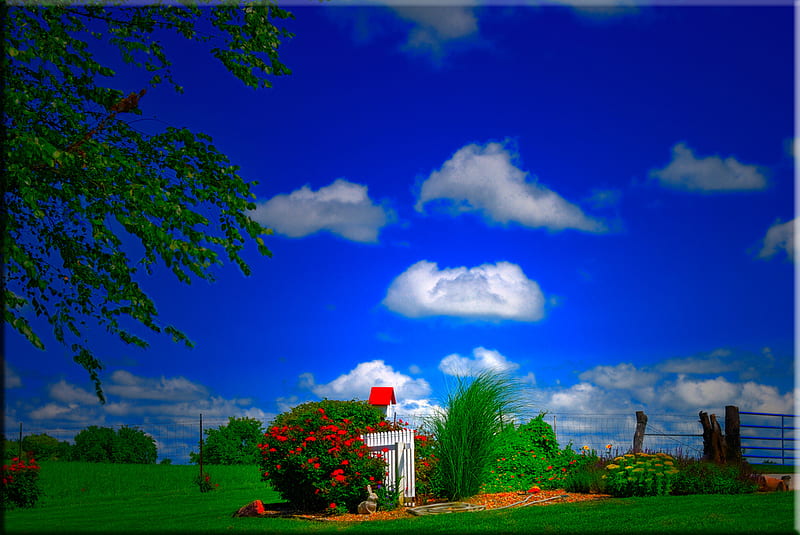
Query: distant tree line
point(234, 443)
point(94, 444)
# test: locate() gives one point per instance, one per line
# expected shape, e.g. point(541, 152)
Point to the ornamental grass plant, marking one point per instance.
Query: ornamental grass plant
point(466, 432)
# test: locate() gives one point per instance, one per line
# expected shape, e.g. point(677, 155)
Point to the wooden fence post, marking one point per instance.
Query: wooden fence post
point(713, 447)
point(733, 441)
point(638, 435)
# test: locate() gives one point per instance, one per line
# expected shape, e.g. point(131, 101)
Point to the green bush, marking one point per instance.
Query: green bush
point(314, 457)
point(641, 474)
point(46, 448)
point(528, 456)
point(466, 433)
point(586, 478)
point(104, 445)
point(235, 443)
point(705, 477)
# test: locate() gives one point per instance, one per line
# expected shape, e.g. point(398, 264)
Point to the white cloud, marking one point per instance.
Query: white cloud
point(709, 174)
point(482, 360)
point(484, 179)
point(126, 385)
point(779, 237)
point(718, 361)
point(623, 376)
point(72, 412)
point(688, 394)
point(342, 208)
point(67, 393)
point(10, 377)
point(488, 292)
point(357, 383)
point(437, 28)
point(214, 407)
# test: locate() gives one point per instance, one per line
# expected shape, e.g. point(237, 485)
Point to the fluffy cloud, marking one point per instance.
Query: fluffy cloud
point(710, 174)
point(488, 292)
point(67, 393)
point(482, 360)
point(357, 383)
point(213, 407)
point(72, 412)
point(126, 385)
point(342, 208)
point(780, 237)
point(718, 361)
point(621, 376)
point(688, 394)
point(437, 28)
point(484, 179)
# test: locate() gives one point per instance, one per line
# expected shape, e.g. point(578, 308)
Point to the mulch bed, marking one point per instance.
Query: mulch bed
point(490, 501)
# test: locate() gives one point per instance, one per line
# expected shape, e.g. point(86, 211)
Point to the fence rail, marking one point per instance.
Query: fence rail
point(756, 442)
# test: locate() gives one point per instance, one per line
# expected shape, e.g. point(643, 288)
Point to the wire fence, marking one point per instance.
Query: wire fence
point(606, 434)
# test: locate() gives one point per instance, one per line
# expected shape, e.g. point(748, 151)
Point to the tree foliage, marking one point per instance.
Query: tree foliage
point(126, 445)
point(235, 443)
point(81, 183)
point(43, 447)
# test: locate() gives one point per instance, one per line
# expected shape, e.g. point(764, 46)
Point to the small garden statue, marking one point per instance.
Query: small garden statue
point(370, 505)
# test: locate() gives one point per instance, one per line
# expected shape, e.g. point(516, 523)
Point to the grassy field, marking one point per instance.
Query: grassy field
point(84, 497)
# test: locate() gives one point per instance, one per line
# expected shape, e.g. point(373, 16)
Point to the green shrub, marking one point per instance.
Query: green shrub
point(587, 478)
point(466, 433)
point(528, 456)
point(640, 474)
point(705, 477)
point(46, 448)
point(20, 483)
point(317, 460)
point(104, 445)
point(203, 481)
point(235, 443)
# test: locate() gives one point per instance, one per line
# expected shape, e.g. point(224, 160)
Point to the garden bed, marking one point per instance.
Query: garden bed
point(490, 501)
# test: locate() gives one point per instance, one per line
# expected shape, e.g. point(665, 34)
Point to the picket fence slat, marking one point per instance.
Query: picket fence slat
point(399, 456)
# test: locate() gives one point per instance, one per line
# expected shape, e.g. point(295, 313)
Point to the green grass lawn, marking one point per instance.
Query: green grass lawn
point(83, 497)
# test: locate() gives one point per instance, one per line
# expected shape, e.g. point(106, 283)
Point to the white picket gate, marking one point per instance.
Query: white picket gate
point(399, 456)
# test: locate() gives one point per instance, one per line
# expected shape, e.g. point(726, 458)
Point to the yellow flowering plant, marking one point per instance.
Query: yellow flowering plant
point(640, 474)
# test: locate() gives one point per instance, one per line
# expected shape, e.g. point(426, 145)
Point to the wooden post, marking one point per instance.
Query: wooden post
point(733, 441)
point(201, 449)
point(706, 423)
point(717, 444)
point(638, 435)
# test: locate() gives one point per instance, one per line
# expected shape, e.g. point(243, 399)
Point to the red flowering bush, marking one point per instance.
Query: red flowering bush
point(20, 483)
point(314, 456)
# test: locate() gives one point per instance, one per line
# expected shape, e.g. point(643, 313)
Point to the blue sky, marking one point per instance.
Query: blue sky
point(598, 201)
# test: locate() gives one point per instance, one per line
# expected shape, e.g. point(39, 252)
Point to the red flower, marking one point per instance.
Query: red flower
point(321, 411)
point(384, 450)
point(345, 462)
point(333, 505)
point(316, 465)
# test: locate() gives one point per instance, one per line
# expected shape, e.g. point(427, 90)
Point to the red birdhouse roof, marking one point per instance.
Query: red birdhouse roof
point(382, 396)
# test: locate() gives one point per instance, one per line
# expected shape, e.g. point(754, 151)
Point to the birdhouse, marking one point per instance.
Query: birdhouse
point(382, 397)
